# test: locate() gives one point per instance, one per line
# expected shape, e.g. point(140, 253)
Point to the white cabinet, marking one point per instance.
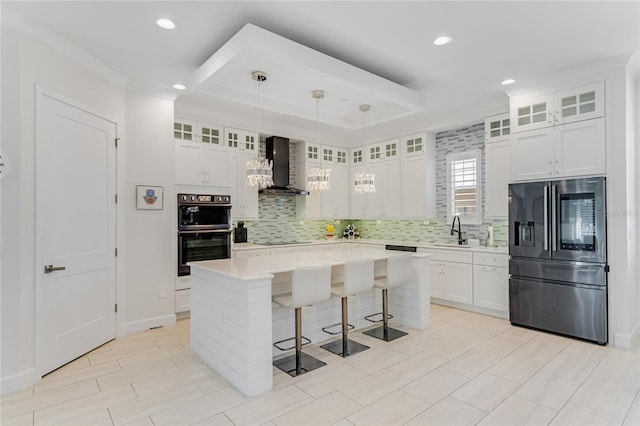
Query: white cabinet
point(451, 275)
point(491, 281)
point(335, 202)
point(531, 114)
point(383, 161)
point(242, 140)
point(200, 155)
point(357, 201)
point(183, 300)
point(417, 175)
point(244, 198)
point(385, 202)
point(497, 128)
point(578, 104)
point(579, 148)
point(568, 106)
point(497, 160)
point(568, 150)
point(330, 204)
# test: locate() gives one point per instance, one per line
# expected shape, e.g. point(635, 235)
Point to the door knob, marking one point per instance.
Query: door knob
point(50, 268)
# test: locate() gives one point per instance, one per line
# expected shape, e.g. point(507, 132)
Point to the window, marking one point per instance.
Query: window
point(463, 186)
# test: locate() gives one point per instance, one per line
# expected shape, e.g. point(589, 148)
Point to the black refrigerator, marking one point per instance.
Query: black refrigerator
point(558, 257)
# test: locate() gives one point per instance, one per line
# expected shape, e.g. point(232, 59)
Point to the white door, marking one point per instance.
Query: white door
point(75, 230)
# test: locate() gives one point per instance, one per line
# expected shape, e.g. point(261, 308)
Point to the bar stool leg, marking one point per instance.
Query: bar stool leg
point(345, 328)
point(344, 347)
point(385, 332)
point(300, 362)
point(298, 341)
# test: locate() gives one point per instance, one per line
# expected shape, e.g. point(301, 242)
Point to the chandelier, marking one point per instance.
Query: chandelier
point(318, 177)
point(260, 170)
point(364, 182)
point(260, 173)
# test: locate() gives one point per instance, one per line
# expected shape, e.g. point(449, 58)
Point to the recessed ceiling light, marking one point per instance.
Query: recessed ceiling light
point(179, 86)
point(165, 23)
point(508, 81)
point(442, 40)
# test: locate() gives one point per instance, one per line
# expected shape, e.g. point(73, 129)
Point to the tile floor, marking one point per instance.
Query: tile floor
point(466, 368)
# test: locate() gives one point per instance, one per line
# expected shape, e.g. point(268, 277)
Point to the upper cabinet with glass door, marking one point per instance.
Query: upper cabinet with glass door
point(497, 128)
point(242, 140)
point(530, 114)
point(383, 151)
point(578, 104)
point(583, 103)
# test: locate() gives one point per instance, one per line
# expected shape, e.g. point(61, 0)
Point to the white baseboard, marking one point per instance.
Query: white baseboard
point(627, 341)
point(145, 324)
point(18, 382)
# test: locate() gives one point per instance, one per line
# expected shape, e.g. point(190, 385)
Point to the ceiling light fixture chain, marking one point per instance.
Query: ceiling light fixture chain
point(318, 177)
point(260, 170)
point(364, 182)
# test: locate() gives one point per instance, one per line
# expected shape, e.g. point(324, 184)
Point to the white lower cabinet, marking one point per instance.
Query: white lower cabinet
point(183, 300)
point(491, 281)
point(451, 275)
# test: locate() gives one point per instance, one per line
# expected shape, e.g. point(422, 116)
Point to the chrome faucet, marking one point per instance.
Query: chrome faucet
point(461, 240)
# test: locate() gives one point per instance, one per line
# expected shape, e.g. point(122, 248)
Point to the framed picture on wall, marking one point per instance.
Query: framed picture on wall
point(149, 197)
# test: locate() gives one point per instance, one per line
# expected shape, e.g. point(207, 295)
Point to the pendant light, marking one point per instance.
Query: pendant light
point(364, 182)
point(318, 177)
point(260, 170)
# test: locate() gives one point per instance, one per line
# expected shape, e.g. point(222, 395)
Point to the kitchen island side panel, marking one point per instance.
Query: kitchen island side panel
point(231, 328)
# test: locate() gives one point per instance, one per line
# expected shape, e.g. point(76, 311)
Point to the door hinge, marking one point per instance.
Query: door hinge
point(116, 252)
point(116, 141)
point(116, 197)
point(116, 307)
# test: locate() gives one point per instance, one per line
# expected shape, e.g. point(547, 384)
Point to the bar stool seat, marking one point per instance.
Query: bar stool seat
point(399, 272)
point(309, 285)
point(358, 278)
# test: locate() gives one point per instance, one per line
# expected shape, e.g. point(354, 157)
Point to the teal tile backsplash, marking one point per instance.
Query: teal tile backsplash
point(278, 221)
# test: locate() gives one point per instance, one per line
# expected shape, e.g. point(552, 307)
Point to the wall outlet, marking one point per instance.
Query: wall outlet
point(301, 222)
point(378, 222)
point(426, 222)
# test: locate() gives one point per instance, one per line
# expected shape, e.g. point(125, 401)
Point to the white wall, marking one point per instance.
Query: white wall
point(147, 290)
point(146, 239)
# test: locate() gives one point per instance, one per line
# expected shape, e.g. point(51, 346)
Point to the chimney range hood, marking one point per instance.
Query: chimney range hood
point(278, 152)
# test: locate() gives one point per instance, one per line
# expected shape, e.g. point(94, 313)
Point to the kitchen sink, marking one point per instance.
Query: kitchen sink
point(452, 245)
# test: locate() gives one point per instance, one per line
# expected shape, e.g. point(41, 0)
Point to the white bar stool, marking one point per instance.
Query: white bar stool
point(310, 284)
point(399, 272)
point(358, 277)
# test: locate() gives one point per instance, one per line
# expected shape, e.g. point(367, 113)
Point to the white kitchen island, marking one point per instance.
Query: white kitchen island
point(234, 323)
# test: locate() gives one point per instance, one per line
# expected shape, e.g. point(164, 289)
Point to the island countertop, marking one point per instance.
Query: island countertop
point(251, 268)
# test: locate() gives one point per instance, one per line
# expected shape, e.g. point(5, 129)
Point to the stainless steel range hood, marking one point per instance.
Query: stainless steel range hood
point(278, 152)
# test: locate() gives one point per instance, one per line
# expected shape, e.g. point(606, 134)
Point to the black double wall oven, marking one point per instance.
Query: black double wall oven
point(204, 229)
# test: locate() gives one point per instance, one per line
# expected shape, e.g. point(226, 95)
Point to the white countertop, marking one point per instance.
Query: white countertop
point(251, 268)
point(424, 245)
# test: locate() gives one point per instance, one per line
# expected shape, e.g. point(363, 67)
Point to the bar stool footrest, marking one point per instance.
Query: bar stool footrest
point(334, 333)
point(387, 334)
point(277, 345)
point(369, 317)
point(307, 363)
point(336, 347)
